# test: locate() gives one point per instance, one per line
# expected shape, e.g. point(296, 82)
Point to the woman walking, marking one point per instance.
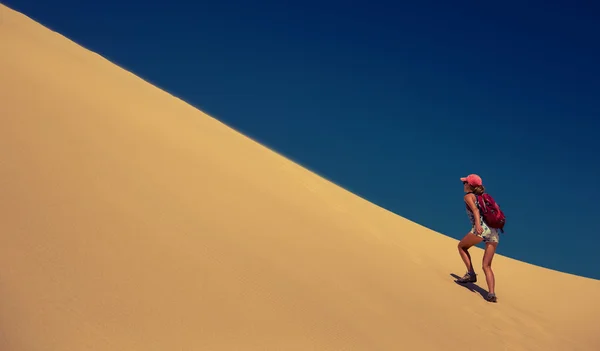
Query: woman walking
point(480, 231)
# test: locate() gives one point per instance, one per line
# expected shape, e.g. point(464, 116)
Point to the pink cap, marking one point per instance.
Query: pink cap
point(472, 179)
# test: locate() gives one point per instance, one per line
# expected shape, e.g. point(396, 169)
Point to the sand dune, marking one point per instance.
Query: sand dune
point(130, 220)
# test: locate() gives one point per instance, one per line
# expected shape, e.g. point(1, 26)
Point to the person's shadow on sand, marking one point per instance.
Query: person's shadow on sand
point(471, 286)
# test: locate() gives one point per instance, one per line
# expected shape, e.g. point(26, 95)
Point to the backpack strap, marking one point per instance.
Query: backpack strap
point(478, 201)
point(481, 202)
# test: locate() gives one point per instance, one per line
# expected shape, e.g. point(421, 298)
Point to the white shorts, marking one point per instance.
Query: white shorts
point(489, 235)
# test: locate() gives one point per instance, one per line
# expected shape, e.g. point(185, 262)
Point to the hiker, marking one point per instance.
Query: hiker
point(480, 231)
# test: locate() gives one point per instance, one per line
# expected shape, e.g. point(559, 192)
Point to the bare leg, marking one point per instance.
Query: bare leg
point(463, 249)
point(488, 255)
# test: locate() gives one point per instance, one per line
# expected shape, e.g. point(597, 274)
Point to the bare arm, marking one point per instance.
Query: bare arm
point(470, 200)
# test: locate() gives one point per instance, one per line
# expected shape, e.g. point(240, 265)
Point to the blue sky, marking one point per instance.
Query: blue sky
point(392, 101)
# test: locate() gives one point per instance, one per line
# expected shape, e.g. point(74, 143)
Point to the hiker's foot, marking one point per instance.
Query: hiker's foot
point(470, 277)
point(491, 297)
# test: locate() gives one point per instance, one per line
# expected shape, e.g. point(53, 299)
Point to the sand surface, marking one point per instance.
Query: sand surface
point(130, 220)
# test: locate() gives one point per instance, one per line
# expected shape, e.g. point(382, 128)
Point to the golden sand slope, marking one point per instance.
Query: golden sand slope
point(130, 220)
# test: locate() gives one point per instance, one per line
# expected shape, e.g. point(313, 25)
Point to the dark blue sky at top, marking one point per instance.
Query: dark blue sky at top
point(391, 101)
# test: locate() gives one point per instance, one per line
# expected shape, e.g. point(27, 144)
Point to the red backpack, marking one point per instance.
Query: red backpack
point(491, 212)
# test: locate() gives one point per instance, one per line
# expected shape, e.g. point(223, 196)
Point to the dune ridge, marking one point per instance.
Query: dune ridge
point(130, 220)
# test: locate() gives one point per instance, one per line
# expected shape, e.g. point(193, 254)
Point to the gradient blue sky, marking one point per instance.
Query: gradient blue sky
point(392, 101)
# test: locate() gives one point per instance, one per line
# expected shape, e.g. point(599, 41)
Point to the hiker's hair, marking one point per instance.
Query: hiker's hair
point(478, 190)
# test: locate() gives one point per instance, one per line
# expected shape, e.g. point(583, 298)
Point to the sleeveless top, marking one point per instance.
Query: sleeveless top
point(470, 213)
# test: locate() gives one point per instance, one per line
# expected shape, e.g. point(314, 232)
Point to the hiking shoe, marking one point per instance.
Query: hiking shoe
point(491, 298)
point(467, 278)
